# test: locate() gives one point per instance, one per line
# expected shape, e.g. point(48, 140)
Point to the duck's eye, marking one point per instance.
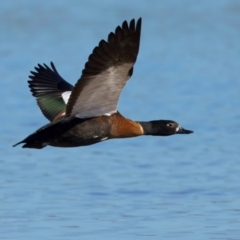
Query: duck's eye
point(169, 125)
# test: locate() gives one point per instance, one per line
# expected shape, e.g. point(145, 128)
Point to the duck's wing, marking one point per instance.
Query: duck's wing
point(51, 91)
point(105, 74)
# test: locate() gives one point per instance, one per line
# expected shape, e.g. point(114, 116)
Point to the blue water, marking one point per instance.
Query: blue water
point(179, 187)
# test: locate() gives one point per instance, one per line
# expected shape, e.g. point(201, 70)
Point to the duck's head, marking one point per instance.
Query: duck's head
point(163, 128)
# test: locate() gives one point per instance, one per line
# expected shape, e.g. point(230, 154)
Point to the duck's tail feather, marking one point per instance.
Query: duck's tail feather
point(33, 141)
point(46, 134)
point(41, 137)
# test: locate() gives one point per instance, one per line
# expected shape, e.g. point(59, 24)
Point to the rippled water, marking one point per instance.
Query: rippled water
point(178, 187)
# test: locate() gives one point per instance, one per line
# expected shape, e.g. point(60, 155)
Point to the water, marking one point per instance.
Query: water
point(178, 187)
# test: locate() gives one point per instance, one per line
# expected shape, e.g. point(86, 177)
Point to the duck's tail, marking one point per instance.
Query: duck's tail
point(35, 140)
point(30, 143)
point(41, 137)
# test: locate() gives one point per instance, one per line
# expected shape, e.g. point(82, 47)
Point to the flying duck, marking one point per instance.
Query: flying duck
point(87, 113)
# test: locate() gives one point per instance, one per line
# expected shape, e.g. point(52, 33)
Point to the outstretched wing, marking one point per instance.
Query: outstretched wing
point(51, 91)
point(108, 68)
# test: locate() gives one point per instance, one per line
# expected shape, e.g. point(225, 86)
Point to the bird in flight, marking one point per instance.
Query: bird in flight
point(87, 113)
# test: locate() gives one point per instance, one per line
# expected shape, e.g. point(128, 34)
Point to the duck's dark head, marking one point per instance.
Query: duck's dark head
point(163, 128)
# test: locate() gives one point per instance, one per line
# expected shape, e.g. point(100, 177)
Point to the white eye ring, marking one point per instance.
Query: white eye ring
point(170, 125)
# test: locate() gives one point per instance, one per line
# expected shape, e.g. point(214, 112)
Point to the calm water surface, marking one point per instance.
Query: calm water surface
point(178, 187)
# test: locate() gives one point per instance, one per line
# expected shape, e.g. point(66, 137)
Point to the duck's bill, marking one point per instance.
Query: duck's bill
point(183, 131)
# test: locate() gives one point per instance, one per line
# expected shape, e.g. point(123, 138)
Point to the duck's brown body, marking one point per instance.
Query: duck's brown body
point(75, 132)
point(89, 131)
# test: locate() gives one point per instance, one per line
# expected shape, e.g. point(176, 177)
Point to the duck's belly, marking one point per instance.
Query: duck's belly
point(83, 133)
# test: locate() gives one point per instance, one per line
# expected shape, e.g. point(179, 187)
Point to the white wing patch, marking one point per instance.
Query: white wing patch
point(110, 113)
point(65, 96)
point(103, 139)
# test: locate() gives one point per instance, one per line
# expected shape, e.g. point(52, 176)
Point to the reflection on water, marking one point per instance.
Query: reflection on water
point(179, 187)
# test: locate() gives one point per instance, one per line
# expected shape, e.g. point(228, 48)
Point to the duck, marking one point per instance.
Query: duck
point(87, 113)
